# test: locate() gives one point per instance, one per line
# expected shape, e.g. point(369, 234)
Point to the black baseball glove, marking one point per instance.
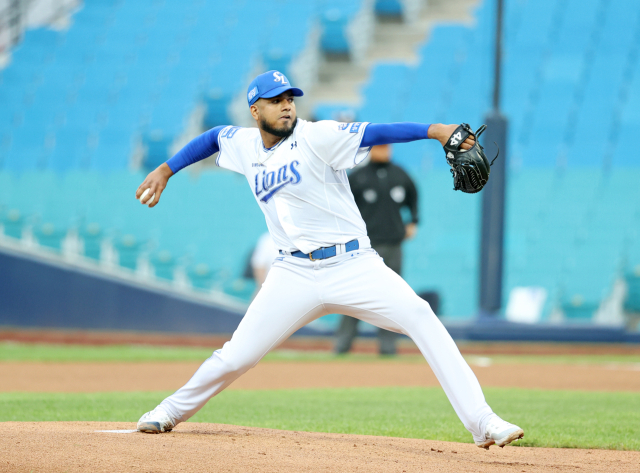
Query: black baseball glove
point(470, 167)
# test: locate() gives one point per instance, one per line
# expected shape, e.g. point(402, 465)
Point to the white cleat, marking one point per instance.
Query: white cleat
point(499, 432)
point(156, 421)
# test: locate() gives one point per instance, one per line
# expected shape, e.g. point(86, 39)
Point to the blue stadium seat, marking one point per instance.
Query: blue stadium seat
point(12, 223)
point(156, 144)
point(92, 236)
point(389, 7)
point(114, 149)
point(128, 248)
point(576, 309)
point(71, 150)
point(632, 301)
point(164, 265)
point(201, 277)
point(334, 38)
point(217, 104)
point(49, 236)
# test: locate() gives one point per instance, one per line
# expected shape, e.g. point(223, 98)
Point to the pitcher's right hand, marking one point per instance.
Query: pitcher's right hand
point(156, 181)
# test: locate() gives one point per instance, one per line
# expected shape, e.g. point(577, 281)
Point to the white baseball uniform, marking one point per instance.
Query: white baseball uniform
point(301, 186)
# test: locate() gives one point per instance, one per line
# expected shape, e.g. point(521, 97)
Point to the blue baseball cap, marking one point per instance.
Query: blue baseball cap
point(270, 84)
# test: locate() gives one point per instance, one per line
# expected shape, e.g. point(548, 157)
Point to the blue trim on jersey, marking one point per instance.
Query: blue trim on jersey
point(219, 152)
point(220, 148)
point(386, 133)
point(196, 150)
point(359, 148)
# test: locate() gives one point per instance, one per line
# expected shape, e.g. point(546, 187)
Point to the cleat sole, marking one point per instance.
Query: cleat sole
point(518, 434)
point(515, 435)
point(151, 428)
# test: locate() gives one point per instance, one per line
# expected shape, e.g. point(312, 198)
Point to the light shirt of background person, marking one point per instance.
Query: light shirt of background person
point(263, 255)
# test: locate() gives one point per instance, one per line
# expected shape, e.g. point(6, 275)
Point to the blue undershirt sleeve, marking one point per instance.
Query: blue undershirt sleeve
point(196, 150)
point(386, 133)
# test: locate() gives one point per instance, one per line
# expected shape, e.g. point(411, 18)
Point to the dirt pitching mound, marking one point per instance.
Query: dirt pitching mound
point(79, 447)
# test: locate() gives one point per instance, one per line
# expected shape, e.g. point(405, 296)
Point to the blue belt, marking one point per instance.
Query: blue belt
point(323, 253)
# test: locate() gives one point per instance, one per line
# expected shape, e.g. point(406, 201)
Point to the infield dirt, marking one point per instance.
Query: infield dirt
point(77, 447)
point(138, 376)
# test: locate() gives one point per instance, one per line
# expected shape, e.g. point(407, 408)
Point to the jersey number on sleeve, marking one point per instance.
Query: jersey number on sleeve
point(229, 132)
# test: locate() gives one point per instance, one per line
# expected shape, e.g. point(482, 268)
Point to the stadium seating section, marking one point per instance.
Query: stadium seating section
point(77, 104)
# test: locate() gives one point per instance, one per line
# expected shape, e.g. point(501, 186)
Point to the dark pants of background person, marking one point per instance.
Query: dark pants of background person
point(348, 329)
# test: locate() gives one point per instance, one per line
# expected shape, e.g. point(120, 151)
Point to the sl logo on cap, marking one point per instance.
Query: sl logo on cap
point(278, 77)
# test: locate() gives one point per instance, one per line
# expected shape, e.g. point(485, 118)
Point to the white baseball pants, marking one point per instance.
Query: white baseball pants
point(298, 291)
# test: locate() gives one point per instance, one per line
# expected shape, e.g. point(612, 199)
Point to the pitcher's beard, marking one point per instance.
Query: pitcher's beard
point(279, 132)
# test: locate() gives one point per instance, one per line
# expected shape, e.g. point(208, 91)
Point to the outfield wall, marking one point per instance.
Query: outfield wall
point(38, 291)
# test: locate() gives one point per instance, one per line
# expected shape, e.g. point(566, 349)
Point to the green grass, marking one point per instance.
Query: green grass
point(550, 418)
point(11, 351)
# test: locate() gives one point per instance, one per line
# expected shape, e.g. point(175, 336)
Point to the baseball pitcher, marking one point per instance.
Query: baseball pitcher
point(297, 172)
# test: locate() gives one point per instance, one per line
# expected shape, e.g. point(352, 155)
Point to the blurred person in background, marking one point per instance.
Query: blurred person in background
point(262, 257)
point(381, 189)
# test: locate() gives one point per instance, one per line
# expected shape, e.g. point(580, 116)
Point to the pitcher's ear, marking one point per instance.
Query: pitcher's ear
point(254, 111)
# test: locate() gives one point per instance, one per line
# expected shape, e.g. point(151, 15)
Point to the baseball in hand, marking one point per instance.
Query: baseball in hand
point(143, 196)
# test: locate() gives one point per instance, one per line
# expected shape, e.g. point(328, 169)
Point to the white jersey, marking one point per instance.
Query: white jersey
point(301, 183)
